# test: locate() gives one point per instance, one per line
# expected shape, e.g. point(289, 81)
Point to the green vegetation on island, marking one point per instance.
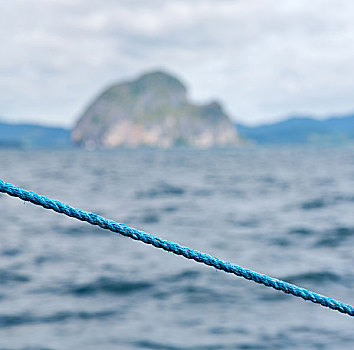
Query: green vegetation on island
point(152, 111)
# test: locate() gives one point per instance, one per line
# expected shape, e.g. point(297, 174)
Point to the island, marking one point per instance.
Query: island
point(154, 111)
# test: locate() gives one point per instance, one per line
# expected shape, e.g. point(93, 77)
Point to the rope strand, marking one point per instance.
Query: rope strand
point(175, 248)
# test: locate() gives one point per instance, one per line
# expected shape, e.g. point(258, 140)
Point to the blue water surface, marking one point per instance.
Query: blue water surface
point(286, 212)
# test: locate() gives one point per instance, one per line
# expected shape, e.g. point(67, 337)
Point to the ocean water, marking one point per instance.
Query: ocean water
point(286, 212)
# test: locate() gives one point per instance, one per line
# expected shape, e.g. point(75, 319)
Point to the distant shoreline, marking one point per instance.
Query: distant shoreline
point(292, 131)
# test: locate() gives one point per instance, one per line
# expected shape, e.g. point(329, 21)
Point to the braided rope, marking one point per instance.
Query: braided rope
point(175, 248)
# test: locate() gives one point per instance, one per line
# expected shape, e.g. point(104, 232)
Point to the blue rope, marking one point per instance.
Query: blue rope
point(175, 248)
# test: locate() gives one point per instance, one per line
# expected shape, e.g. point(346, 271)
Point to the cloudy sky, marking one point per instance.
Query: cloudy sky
point(263, 59)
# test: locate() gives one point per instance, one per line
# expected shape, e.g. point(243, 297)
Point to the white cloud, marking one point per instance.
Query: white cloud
point(262, 58)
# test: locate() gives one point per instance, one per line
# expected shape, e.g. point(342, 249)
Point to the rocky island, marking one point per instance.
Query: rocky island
point(153, 111)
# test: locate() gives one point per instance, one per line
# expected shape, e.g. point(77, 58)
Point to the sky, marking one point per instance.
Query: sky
point(264, 60)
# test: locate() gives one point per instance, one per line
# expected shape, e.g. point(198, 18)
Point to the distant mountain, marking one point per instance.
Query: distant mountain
point(300, 130)
point(152, 110)
point(33, 136)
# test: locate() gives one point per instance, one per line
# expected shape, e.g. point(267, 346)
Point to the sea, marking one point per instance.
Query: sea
point(287, 212)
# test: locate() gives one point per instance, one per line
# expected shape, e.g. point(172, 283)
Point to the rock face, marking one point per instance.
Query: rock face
point(152, 111)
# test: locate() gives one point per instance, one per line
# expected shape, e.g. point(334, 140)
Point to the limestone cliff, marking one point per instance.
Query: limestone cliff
point(152, 111)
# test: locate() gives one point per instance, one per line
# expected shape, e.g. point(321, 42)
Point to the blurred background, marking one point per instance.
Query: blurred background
point(226, 126)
